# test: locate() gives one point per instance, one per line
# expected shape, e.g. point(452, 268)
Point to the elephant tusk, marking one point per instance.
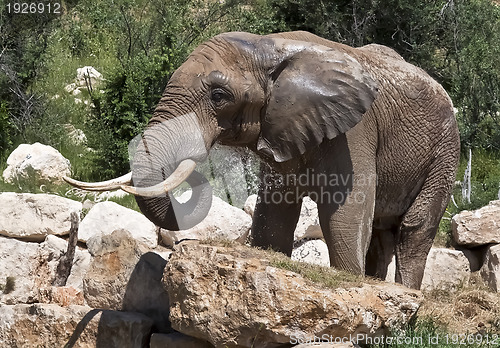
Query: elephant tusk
point(108, 185)
point(184, 169)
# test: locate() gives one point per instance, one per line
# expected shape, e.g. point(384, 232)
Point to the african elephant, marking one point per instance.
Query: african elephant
point(371, 138)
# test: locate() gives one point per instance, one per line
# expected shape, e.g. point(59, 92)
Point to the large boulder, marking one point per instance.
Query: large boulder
point(19, 279)
point(88, 74)
point(308, 224)
point(479, 227)
point(490, 272)
point(29, 268)
point(35, 165)
point(233, 297)
point(125, 275)
point(446, 269)
point(49, 325)
point(34, 216)
point(222, 222)
point(106, 217)
point(313, 251)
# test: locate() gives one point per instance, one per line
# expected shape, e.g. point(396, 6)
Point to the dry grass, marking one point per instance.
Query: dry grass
point(327, 277)
point(471, 309)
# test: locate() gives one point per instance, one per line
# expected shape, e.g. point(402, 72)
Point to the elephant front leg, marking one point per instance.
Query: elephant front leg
point(347, 226)
point(275, 219)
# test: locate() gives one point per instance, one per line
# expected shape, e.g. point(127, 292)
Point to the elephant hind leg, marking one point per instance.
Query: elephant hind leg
point(381, 250)
point(418, 228)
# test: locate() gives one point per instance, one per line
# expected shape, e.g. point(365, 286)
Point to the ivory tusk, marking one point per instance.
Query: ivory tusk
point(108, 185)
point(183, 170)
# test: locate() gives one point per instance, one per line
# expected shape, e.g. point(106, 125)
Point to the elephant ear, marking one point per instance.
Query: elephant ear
point(315, 93)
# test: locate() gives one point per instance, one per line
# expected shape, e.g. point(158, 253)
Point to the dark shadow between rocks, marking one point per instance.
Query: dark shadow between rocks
point(80, 327)
point(145, 293)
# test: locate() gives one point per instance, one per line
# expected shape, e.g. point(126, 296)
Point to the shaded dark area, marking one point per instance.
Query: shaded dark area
point(145, 293)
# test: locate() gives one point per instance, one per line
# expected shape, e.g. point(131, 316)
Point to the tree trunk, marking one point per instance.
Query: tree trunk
point(66, 261)
point(466, 185)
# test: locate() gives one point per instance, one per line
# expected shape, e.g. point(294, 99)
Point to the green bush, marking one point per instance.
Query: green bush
point(5, 128)
point(123, 109)
point(485, 179)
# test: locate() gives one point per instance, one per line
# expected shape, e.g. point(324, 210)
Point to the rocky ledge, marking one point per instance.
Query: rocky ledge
point(222, 295)
point(233, 296)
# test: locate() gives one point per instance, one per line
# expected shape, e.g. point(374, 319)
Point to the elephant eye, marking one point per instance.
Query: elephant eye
point(219, 95)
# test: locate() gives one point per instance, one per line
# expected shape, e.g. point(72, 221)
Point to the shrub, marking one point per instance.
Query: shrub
point(5, 128)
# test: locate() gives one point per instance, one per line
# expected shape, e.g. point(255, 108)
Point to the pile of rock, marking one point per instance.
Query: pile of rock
point(111, 283)
point(478, 232)
point(87, 78)
point(127, 290)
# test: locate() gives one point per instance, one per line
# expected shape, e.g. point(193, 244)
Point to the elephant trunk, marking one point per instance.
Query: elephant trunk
point(165, 157)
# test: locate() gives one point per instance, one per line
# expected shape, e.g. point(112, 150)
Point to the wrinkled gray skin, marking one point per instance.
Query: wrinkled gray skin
point(378, 132)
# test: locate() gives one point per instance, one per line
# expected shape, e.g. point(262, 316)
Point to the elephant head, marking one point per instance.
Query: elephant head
point(279, 97)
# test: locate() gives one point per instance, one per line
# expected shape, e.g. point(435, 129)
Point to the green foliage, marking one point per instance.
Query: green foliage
point(23, 39)
point(485, 179)
point(122, 111)
point(475, 78)
point(5, 127)
point(402, 25)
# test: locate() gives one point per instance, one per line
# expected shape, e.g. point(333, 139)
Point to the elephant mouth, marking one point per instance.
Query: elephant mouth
point(180, 174)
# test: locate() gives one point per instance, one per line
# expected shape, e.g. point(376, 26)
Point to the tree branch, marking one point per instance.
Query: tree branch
point(66, 261)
